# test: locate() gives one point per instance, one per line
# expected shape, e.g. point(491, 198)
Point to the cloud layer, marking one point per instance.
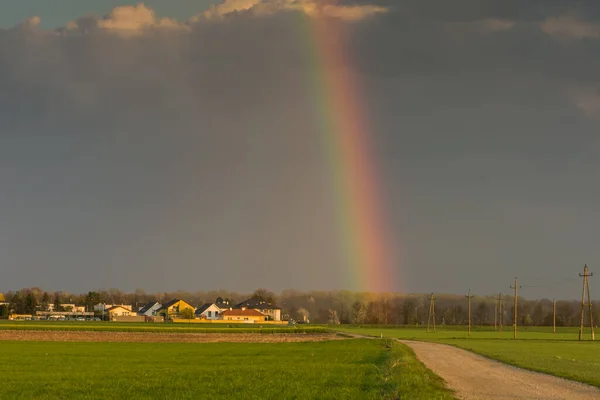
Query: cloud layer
point(168, 153)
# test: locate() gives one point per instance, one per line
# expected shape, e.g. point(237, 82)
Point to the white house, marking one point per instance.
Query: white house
point(208, 311)
point(149, 310)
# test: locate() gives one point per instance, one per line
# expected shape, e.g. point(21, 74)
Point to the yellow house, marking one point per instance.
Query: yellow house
point(2, 299)
point(118, 311)
point(174, 308)
point(246, 315)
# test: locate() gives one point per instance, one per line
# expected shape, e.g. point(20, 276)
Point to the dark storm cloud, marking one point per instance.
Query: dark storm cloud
point(151, 152)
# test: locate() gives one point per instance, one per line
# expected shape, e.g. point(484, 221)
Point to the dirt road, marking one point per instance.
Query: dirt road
point(476, 377)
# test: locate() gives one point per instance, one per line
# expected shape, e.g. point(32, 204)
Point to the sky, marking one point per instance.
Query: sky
point(177, 145)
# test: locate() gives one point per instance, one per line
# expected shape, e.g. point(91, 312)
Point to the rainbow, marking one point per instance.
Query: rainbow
point(344, 125)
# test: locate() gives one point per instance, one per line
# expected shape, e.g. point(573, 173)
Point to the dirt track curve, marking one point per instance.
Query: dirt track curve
point(476, 377)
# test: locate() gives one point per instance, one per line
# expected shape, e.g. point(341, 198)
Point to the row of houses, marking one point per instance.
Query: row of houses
point(248, 311)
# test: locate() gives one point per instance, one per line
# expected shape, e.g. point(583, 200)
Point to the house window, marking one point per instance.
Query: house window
point(216, 314)
point(209, 314)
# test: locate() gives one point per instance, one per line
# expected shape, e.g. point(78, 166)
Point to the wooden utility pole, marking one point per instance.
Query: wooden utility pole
point(554, 315)
point(431, 316)
point(586, 287)
point(500, 312)
point(516, 287)
point(495, 315)
point(469, 297)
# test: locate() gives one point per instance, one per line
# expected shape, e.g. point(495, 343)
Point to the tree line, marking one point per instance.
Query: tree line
point(322, 307)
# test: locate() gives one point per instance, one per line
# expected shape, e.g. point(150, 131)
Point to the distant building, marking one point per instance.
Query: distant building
point(223, 304)
point(246, 315)
point(101, 307)
point(209, 311)
point(118, 311)
point(149, 310)
point(173, 308)
point(268, 309)
point(67, 307)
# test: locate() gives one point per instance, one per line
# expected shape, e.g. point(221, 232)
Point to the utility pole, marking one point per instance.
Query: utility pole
point(500, 311)
point(469, 297)
point(516, 287)
point(554, 315)
point(586, 287)
point(495, 315)
point(431, 316)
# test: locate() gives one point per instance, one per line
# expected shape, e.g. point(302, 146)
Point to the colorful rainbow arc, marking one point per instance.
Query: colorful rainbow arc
point(344, 127)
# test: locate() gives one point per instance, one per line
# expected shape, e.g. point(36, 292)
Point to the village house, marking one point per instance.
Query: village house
point(173, 308)
point(67, 307)
point(209, 311)
point(118, 311)
point(271, 311)
point(101, 307)
point(246, 315)
point(149, 310)
point(223, 304)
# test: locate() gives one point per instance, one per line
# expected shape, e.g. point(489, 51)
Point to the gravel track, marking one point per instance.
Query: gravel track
point(474, 377)
point(153, 337)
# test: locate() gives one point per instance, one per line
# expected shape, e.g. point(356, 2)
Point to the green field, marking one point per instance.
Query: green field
point(536, 348)
point(460, 332)
point(158, 327)
point(345, 369)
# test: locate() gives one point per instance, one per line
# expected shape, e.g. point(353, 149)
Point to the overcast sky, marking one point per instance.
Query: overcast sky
point(179, 149)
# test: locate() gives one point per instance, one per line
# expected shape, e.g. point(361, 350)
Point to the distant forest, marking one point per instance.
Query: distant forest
point(333, 307)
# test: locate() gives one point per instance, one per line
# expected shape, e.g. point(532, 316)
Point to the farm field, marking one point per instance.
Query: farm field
point(344, 369)
point(157, 327)
point(536, 348)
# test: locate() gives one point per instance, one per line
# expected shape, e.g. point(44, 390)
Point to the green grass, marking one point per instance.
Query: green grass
point(460, 332)
point(345, 369)
point(98, 326)
point(536, 348)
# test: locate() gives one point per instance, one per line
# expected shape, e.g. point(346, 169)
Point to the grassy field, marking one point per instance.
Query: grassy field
point(536, 348)
point(460, 332)
point(158, 327)
point(349, 369)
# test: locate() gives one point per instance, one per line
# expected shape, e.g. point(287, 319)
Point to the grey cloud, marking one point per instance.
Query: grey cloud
point(195, 157)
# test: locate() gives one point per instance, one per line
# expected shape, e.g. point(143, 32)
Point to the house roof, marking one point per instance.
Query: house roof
point(115, 307)
point(148, 306)
point(248, 312)
point(257, 304)
point(223, 304)
point(203, 308)
point(171, 303)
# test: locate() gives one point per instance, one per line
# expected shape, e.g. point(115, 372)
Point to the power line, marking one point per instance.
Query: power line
point(555, 283)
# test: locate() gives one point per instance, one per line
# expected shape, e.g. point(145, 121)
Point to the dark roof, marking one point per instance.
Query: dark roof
point(203, 308)
point(148, 306)
point(257, 304)
point(169, 304)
